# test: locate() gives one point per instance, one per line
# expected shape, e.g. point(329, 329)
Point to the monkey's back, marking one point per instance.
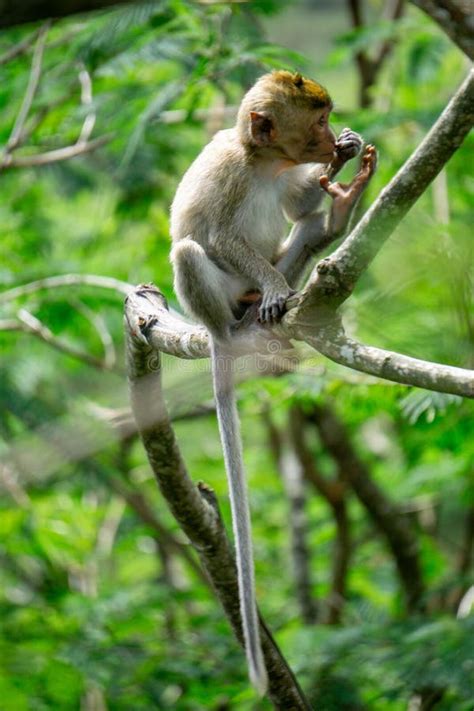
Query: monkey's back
point(210, 190)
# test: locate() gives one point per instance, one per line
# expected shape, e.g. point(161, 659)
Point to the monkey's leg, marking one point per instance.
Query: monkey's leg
point(346, 196)
point(205, 291)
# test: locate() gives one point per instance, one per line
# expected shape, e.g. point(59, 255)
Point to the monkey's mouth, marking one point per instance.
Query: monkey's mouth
point(326, 157)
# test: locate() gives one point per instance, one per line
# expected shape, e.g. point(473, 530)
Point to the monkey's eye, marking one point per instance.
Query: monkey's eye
point(322, 120)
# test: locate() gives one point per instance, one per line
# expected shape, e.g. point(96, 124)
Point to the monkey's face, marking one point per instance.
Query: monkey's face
point(319, 141)
point(297, 134)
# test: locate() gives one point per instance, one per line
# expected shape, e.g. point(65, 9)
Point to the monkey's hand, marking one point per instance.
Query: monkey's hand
point(274, 298)
point(346, 195)
point(348, 145)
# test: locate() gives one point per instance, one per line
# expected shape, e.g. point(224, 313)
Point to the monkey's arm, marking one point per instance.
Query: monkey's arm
point(307, 237)
point(312, 233)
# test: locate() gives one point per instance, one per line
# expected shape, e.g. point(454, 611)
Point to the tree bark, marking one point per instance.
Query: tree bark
point(455, 18)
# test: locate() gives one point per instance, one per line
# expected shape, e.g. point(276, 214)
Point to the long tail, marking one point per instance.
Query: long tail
point(229, 427)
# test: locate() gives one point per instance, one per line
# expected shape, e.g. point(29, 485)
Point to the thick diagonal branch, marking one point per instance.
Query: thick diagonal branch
point(194, 507)
point(345, 266)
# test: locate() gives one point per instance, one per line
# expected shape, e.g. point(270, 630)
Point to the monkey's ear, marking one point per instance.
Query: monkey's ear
point(262, 129)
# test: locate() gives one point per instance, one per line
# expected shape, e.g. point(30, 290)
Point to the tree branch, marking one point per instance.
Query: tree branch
point(289, 466)
point(163, 330)
point(146, 514)
point(393, 11)
point(334, 493)
point(31, 88)
point(385, 515)
point(195, 508)
point(86, 100)
point(54, 156)
point(394, 366)
point(370, 66)
point(83, 144)
point(19, 48)
point(454, 18)
point(27, 323)
point(170, 334)
point(65, 280)
point(98, 323)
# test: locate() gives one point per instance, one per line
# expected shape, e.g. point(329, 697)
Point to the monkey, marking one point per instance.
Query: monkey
point(228, 223)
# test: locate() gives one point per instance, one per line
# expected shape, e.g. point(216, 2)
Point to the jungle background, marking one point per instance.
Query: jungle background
point(362, 491)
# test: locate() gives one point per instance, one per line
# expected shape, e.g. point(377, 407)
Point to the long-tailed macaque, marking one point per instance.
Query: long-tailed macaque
point(228, 223)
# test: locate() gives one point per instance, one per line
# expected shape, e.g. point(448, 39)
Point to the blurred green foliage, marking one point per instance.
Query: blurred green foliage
point(96, 612)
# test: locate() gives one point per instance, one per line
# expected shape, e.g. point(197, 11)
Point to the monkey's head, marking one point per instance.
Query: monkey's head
point(285, 115)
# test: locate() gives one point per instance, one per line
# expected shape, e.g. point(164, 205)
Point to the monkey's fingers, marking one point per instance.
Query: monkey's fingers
point(271, 313)
point(367, 166)
point(346, 143)
point(369, 159)
point(273, 307)
point(347, 132)
point(333, 189)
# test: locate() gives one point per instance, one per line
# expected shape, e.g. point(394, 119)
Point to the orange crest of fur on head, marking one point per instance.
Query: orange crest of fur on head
point(301, 89)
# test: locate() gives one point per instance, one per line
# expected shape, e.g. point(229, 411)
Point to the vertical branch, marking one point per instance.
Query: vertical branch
point(389, 520)
point(86, 100)
point(341, 560)
point(464, 590)
point(167, 577)
point(369, 67)
point(291, 473)
point(334, 494)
